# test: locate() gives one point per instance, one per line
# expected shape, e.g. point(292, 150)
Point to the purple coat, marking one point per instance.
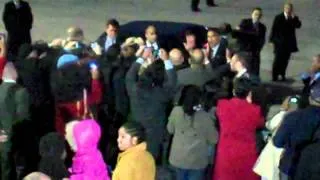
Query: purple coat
point(88, 163)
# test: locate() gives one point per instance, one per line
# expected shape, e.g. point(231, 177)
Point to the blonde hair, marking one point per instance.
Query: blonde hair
point(37, 176)
point(133, 40)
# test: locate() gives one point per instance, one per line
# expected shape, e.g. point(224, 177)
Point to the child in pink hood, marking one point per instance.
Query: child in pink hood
point(87, 164)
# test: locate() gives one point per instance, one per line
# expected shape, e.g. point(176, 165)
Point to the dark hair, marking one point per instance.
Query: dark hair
point(113, 22)
point(260, 97)
point(135, 129)
point(191, 96)
point(242, 87)
point(257, 9)
point(244, 57)
point(155, 73)
point(215, 30)
point(189, 33)
point(225, 28)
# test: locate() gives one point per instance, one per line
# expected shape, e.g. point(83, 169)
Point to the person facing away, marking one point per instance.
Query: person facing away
point(199, 73)
point(258, 29)
point(52, 152)
point(87, 163)
point(149, 96)
point(193, 129)
point(18, 19)
point(14, 103)
point(238, 120)
point(283, 38)
point(135, 162)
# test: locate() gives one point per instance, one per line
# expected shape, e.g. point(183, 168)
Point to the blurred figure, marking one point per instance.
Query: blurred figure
point(216, 48)
point(3, 53)
point(198, 73)
point(195, 5)
point(239, 120)
point(110, 35)
point(152, 40)
point(14, 103)
point(283, 38)
point(298, 130)
point(87, 163)
point(310, 77)
point(267, 166)
point(177, 59)
point(37, 176)
point(135, 162)
point(256, 28)
point(18, 19)
point(193, 127)
point(149, 95)
point(53, 153)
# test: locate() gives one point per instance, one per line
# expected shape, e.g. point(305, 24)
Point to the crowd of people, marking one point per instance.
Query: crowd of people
point(129, 108)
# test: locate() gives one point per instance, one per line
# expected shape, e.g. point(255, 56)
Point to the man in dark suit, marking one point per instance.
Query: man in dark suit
point(110, 36)
point(283, 37)
point(195, 5)
point(258, 30)
point(14, 109)
point(17, 19)
point(216, 48)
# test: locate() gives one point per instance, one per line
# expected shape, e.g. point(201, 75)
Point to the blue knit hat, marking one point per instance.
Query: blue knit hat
point(66, 59)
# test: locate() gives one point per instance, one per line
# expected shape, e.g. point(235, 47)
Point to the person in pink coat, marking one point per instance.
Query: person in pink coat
point(87, 163)
point(239, 120)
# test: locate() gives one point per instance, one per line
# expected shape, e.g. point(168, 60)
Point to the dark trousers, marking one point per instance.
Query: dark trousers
point(280, 64)
point(15, 40)
point(195, 3)
point(255, 64)
point(7, 164)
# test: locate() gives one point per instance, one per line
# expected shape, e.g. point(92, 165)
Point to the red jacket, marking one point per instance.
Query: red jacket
point(65, 111)
point(237, 149)
point(3, 61)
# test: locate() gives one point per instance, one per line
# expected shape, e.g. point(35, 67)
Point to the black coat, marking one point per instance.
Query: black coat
point(220, 57)
point(259, 34)
point(18, 23)
point(283, 33)
point(17, 20)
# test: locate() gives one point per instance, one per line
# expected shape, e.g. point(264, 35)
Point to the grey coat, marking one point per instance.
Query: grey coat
point(191, 138)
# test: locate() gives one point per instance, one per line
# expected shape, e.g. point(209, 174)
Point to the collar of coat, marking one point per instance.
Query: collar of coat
point(140, 147)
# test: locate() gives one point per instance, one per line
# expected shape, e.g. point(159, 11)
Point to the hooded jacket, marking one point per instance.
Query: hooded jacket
point(88, 162)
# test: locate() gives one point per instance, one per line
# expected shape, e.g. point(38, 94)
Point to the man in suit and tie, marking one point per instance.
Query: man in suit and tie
point(14, 103)
point(195, 5)
point(17, 18)
point(216, 48)
point(258, 30)
point(283, 38)
point(110, 36)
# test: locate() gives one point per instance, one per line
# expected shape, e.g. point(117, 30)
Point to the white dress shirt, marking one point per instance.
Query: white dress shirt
point(109, 42)
point(153, 45)
point(241, 72)
point(215, 50)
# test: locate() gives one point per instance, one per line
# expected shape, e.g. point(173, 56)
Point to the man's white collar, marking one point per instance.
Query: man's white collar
point(241, 72)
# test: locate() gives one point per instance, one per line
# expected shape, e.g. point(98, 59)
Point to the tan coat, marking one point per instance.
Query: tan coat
point(191, 141)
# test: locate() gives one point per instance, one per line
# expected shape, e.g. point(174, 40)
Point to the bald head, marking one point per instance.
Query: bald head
point(176, 57)
point(197, 57)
